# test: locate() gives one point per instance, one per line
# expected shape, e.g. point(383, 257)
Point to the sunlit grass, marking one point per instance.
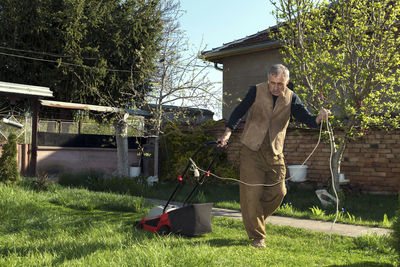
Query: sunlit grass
point(75, 227)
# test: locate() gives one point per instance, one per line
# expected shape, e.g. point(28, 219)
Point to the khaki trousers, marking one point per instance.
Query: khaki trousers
point(259, 202)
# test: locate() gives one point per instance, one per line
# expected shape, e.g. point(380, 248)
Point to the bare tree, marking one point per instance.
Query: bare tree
point(181, 78)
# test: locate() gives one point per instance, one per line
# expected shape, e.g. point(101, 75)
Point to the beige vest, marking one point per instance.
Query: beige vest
point(263, 117)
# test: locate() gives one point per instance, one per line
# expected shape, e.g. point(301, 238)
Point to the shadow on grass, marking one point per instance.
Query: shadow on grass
point(62, 251)
point(228, 242)
point(195, 240)
point(70, 251)
point(49, 219)
point(363, 264)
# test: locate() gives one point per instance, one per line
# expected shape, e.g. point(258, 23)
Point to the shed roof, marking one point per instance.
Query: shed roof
point(68, 105)
point(25, 90)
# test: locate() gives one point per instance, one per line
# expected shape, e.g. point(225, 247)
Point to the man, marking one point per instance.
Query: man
point(269, 106)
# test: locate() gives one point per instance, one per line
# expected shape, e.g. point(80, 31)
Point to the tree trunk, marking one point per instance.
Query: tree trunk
point(336, 159)
point(336, 170)
point(156, 155)
point(157, 138)
point(121, 134)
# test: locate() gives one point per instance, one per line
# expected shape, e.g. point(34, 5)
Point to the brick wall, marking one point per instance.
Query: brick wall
point(371, 163)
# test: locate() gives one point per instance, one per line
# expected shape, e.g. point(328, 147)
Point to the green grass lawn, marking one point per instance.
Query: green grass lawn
point(76, 227)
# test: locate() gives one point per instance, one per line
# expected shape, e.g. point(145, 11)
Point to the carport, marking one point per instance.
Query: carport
point(14, 92)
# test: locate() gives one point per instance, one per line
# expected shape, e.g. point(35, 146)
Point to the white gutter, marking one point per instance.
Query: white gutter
point(211, 56)
point(23, 89)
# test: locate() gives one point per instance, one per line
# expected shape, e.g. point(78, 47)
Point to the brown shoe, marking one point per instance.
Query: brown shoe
point(259, 243)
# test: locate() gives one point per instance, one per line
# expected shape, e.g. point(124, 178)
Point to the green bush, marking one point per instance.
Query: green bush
point(179, 144)
point(9, 173)
point(396, 230)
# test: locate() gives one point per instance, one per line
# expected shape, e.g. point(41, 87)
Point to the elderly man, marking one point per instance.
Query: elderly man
point(269, 106)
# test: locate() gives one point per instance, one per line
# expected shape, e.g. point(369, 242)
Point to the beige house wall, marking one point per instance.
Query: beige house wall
point(242, 71)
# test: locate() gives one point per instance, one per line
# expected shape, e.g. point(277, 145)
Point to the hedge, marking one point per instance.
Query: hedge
point(179, 143)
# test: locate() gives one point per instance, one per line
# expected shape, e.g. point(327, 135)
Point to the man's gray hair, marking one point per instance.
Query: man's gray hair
point(278, 70)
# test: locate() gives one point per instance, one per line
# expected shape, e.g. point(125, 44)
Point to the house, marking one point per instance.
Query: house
point(245, 62)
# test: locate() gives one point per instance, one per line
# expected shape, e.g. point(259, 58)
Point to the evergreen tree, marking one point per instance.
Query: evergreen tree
point(86, 51)
point(8, 162)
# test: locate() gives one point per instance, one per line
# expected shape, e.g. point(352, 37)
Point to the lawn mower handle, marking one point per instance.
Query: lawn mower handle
point(187, 168)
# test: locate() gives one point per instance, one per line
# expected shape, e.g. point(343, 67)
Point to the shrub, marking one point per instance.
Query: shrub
point(9, 173)
point(396, 230)
point(42, 182)
point(373, 243)
point(179, 144)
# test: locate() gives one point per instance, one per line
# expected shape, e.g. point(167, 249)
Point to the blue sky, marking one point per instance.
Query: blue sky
point(216, 22)
point(222, 21)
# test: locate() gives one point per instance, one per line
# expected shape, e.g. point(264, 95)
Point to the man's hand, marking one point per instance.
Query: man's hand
point(323, 115)
point(223, 140)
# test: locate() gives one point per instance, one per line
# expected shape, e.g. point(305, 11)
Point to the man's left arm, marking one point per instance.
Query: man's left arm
point(301, 113)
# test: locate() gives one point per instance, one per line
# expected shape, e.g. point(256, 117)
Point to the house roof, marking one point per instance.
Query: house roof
point(25, 90)
point(252, 43)
point(191, 110)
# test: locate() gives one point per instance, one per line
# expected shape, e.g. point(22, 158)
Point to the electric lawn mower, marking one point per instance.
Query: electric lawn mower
point(189, 219)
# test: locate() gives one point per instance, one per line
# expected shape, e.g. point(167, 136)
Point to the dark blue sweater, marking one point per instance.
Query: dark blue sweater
point(298, 110)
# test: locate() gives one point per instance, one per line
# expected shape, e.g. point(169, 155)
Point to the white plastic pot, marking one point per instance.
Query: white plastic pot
point(134, 171)
point(342, 180)
point(298, 173)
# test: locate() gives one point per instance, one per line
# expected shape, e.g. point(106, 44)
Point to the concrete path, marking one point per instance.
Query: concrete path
point(311, 225)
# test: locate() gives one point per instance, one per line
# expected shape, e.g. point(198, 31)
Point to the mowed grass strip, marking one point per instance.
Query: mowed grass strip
point(75, 227)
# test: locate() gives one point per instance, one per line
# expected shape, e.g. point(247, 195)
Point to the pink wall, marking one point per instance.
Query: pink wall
point(75, 159)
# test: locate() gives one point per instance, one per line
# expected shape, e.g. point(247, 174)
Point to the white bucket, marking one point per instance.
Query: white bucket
point(134, 171)
point(342, 180)
point(298, 173)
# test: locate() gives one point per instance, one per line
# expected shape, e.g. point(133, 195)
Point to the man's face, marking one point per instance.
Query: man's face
point(277, 84)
